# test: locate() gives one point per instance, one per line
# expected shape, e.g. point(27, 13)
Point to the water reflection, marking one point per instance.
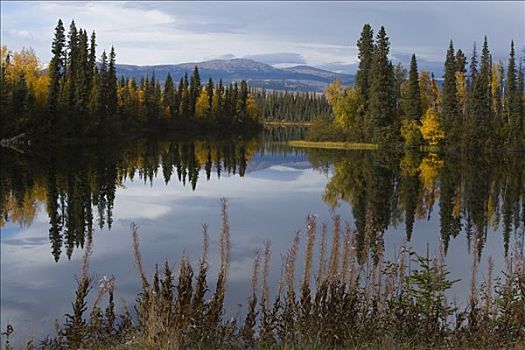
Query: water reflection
point(77, 185)
point(475, 194)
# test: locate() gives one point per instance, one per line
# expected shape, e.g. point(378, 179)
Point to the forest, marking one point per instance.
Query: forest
point(478, 106)
point(78, 96)
point(292, 107)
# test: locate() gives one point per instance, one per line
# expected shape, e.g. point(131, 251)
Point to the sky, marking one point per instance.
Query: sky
point(320, 34)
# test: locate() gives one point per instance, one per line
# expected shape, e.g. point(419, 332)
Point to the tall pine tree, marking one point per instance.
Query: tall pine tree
point(382, 118)
point(365, 55)
point(414, 110)
point(56, 69)
point(449, 104)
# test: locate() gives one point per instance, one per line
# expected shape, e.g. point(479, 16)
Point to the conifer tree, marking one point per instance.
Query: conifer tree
point(473, 68)
point(84, 75)
point(56, 68)
point(513, 98)
point(168, 101)
point(195, 88)
point(365, 55)
point(209, 92)
point(101, 108)
point(480, 113)
point(461, 62)
point(72, 65)
point(112, 83)
point(382, 109)
point(449, 104)
point(414, 110)
point(92, 60)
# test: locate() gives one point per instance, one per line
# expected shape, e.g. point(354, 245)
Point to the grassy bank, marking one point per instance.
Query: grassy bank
point(334, 145)
point(285, 123)
point(331, 303)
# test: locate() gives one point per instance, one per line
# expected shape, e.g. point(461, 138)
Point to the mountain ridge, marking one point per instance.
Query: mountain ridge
point(258, 74)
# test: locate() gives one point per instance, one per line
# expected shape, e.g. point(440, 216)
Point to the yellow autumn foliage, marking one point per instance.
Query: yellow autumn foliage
point(202, 106)
point(431, 128)
point(429, 170)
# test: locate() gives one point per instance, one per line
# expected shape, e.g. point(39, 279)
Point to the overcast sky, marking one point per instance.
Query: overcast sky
point(321, 34)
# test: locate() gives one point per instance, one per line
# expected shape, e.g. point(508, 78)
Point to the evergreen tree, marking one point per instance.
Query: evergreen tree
point(513, 99)
point(461, 62)
point(72, 65)
point(449, 105)
point(480, 113)
point(521, 98)
point(92, 60)
point(168, 101)
point(473, 68)
point(101, 108)
point(112, 84)
point(382, 117)
point(195, 88)
point(209, 92)
point(414, 110)
point(365, 55)
point(83, 76)
point(56, 69)
point(185, 108)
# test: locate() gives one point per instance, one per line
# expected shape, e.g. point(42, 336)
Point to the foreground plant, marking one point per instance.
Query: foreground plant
point(379, 304)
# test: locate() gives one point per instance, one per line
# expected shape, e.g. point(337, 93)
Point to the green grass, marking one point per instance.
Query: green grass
point(334, 145)
point(286, 123)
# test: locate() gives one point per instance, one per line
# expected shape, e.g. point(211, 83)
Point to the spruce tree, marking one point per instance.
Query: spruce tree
point(168, 101)
point(461, 62)
point(92, 60)
point(480, 113)
point(112, 84)
point(84, 75)
point(56, 69)
point(513, 99)
point(365, 55)
point(449, 103)
point(521, 101)
point(414, 110)
point(102, 91)
point(473, 68)
point(72, 65)
point(382, 118)
point(209, 92)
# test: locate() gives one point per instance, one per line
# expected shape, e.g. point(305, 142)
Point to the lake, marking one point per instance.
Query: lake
point(53, 198)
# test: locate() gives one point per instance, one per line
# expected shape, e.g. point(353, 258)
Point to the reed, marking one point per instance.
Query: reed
point(380, 304)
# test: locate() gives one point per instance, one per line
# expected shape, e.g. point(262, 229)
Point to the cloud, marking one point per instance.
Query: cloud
point(279, 33)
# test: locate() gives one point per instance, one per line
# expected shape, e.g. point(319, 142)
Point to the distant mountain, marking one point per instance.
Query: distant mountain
point(261, 75)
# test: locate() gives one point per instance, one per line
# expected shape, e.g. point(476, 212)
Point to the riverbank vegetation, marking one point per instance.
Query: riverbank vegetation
point(478, 106)
point(334, 145)
point(332, 303)
point(78, 97)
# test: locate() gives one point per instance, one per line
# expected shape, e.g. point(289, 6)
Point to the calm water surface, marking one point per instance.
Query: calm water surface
point(53, 199)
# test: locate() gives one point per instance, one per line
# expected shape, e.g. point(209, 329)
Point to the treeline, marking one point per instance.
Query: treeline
point(292, 107)
point(78, 96)
point(479, 104)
